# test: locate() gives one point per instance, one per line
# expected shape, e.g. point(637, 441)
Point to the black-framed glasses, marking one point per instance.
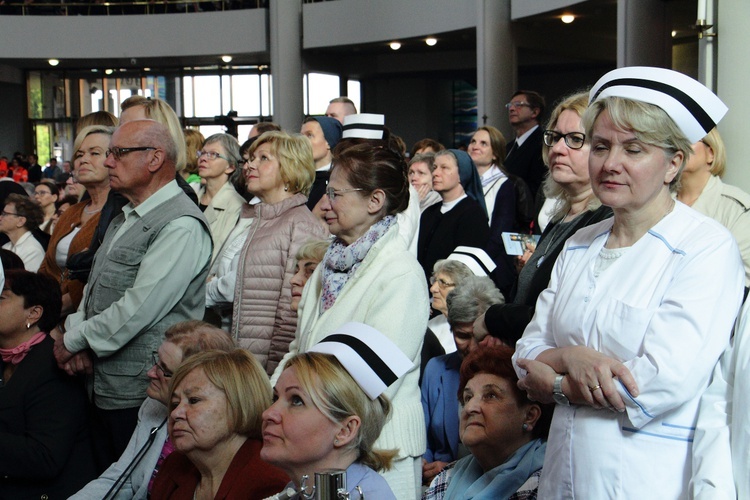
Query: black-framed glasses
point(5, 214)
point(333, 193)
point(41, 193)
point(157, 363)
point(120, 152)
point(574, 140)
point(441, 282)
point(517, 104)
point(211, 155)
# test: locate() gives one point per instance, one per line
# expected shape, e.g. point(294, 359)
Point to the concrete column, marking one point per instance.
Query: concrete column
point(733, 75)
point(496, 63)
point(285, 32)
point(643, 34)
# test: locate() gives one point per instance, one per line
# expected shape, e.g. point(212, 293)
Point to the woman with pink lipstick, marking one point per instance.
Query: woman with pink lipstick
point(329, 409)
point(280, 172)
point(217, 399)
point(639, 306)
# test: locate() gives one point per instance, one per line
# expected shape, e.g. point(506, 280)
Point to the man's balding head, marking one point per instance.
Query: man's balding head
point(139, 173)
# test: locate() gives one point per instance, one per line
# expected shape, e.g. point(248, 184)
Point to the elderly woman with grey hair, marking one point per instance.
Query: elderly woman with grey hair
point(465, 303)
point(218, 164)
point(446, 275)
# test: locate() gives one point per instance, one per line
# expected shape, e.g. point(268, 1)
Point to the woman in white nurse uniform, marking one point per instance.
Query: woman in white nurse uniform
point(639, 307)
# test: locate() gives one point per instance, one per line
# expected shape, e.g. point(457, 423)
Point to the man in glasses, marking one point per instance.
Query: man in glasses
point(149, 273)
point(524, 157)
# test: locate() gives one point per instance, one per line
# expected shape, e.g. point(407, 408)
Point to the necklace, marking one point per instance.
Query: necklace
point(90, 212)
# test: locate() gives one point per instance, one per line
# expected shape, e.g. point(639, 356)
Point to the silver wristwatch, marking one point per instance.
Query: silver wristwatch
point(557, 392)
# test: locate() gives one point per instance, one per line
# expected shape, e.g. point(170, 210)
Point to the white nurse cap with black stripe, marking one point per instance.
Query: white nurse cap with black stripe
point(475, 259)
point(371, 358)
point(364, 126)
point(693, 107)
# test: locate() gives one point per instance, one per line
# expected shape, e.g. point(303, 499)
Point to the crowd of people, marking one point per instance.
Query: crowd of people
point(200, 318)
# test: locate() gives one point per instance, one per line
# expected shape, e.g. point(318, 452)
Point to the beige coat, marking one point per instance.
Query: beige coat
point(222, 214)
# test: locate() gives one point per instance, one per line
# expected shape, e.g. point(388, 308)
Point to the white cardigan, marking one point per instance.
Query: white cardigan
point(222, 214)
point(389, 293)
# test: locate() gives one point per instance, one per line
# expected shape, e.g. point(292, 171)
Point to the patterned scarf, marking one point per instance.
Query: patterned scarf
point(342, 261)
point(15, 355)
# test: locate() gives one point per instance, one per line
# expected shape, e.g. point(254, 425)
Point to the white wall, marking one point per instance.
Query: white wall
point(162, 35)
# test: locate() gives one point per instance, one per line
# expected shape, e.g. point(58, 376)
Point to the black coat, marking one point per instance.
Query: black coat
point(439, 234)
point(45, 447)
point(526, 160)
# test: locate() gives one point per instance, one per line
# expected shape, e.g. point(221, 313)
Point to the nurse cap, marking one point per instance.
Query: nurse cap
point(371, 358)
point(695, 109)
point(475, 259)
point(364, 126)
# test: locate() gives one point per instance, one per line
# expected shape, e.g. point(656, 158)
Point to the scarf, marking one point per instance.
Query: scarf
point(469, 481)
point(342, 261)
point(15, 355)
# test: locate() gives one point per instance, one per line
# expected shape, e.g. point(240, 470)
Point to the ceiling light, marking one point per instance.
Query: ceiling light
point(53, 62)
point(146, 69)
point(395, 45)
point(431, 41)
point(108, 71)
point(567, 18)
point(674, 33)
point(226, 59)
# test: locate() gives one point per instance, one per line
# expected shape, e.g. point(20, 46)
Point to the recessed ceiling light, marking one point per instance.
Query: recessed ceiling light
point(395, 45)
point(53, 62)
point(431, 41)
point(226, 59)
point(674, 33)
point(108, 71)
point(567, 18)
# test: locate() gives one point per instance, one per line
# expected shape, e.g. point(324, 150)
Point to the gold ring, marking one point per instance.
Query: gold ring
point(598, 386)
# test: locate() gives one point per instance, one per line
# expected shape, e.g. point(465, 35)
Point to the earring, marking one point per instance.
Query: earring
point(28, 326)
point(286, 188)
point(525, 427)
point(336, 442)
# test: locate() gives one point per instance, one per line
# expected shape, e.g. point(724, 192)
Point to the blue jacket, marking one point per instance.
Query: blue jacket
point(440, 403)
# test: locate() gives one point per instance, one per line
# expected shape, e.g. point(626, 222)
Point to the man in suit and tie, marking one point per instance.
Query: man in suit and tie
point(524, 157)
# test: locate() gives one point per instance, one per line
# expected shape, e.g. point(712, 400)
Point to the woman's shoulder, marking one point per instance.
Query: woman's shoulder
point(373, 485)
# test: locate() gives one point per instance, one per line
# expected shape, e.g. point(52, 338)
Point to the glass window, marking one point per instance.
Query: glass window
point(354, 92)
point(187, 85)
point(246, 95)
point(321, 89)
point(226, 94)
point(266, 94)
point(207, 95)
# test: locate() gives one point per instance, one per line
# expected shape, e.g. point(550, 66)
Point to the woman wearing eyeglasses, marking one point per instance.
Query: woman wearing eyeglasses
point(566, 154)
point(369, 276)
point(20, 216)
point(254, 291)
point(132, 475)
point(218, 164)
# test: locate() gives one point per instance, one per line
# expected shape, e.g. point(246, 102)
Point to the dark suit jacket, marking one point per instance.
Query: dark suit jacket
point(526, 160)
point(44, 430)
point(247, 478)
point(439, 234)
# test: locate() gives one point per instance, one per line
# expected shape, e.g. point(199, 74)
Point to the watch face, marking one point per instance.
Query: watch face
point(561, 399)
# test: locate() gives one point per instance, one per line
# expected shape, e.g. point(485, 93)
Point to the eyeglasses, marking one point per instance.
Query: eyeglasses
point(157, 361)
point(333, 193)
point(211, 155)
point(517, 104)
point(6, 214)
point(441, 282)
point(120, 152)
point(40, 193)
point(574, 140)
